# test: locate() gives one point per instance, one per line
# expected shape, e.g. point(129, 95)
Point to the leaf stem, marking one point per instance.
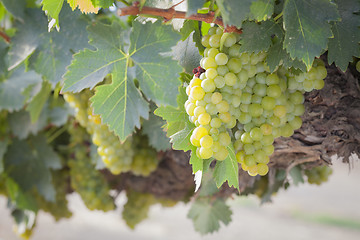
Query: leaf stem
point(170, 13)
point(5, 37)
point(57, 133)
point(278, 16)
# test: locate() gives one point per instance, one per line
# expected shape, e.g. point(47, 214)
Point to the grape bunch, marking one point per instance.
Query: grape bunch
point(134, 154)
point(137, 207)
point(85, 179)
point(236, 100)
point(145, 159)
point(318, 175)
point(59, 208)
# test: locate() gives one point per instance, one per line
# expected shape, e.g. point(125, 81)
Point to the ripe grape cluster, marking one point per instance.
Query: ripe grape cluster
point(59, 208)
point(318, 175)
point(85, 179)
point(134, 154)
point(137, 207)
point(236, 100)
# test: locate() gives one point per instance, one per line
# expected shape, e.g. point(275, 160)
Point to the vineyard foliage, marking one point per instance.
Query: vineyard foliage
point(88, 91)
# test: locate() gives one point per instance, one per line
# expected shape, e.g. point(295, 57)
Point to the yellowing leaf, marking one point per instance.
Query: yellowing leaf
point(85, 6)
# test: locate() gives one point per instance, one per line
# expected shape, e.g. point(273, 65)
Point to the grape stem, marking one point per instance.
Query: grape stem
point(171, 13)
point(5, 37)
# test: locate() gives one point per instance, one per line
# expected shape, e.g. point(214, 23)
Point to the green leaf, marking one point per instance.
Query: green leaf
point(207, 215)
point(15, 7)
point(102, 3)
point(53, 8)
point(121, 104)
point(12, 90)
point(208, 185)
point(179, 129)
point(193, 6)
point(233, 12)
point(277, 56)
point(296, 175)
point(3, 148)
point(307, 28)
point(3, 53)
point(262, 9)
point(21, 126)
point(31, 166)
point(196, 162)
point(51, 52)
point(38, 102)
point(345, 43)
point(257, 37)
point(227, 170)
point(187, 54)
point(22, 200)
point(158, 75)
point(157, 136)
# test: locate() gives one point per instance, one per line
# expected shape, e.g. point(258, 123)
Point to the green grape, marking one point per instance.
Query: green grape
point(358, 66)
point(145, 159)
point(58, 209)
point(221, 59)
point(137, 207)
point(214, 40)
point(85, 179)
point(241, 97)
point(318, 175)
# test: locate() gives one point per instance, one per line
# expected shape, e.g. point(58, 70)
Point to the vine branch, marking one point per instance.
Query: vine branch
point(171, 13)
point(5, 37)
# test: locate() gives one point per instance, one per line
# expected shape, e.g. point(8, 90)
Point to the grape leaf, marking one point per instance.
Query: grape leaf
point(53, 8)
point(187, 54)
point(256, 37)
point(121, 104)
point(31, 166)
point(296, 175)
point(233, 12)
point(227, 170)
point(157, 136)
point(208, 186)
point(37, 103)
point(307, 28)
point(193, 6)
point(3, 148)
point(102, 3)
point(12, 95)
point(15, 7)
point(3, 53)
point(179, 128)
point(262, 9)
point(207, 215)
point(21, 126)
point(277, 55)
point(19, 198)
point(51, 52)
point(345, 43)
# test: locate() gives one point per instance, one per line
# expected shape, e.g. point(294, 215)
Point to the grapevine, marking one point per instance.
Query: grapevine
point(238, 101)
point(232, 96)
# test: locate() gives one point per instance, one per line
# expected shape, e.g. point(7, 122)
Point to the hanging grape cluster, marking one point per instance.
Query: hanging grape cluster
point(235, 99)
point(318, 175)
point(134, 154)
point(85, 179)
point(59, 208)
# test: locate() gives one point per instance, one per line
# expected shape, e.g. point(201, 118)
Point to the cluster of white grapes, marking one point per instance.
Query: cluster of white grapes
point(236, 100)
point(85, 179)
point(117, 156)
